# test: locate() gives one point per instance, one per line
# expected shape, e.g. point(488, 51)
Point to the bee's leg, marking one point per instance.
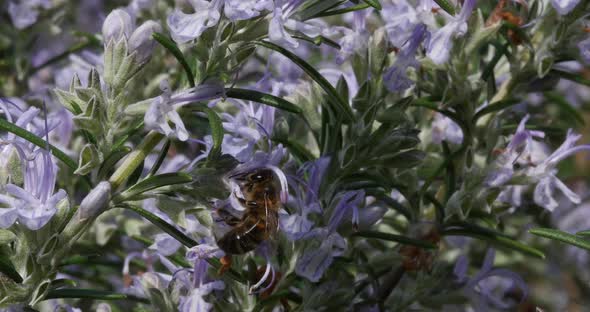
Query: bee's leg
point(225, 264)
point(227, 217)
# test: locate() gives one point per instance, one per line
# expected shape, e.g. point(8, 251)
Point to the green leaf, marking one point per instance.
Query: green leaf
point(12, 128)
point(446, 5)
point(584, 233)
point(297, 149)
point(576, 77)
point(173, 48)
point(151, 183)
point(311, 10)
point(495, 239)
point(263, 98)
point(357, 7)
point(396, 238)
point(8, 269)
point(91, 294)
point(111, 160)
point(562, 237)
point(494, 107)
point(341, 105)
point(216, 132)
point(161, 157)
point(373, 3)
point(564, 105)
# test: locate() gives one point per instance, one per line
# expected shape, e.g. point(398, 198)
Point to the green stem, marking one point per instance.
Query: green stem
point(135, 158)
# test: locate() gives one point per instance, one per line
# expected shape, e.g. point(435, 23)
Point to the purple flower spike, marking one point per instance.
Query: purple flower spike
point(396, 78)
point(441, 42)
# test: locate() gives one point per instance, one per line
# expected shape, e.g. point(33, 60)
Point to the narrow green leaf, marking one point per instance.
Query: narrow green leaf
point(161, 157)
point(12, 128)
point(216, 132)
point(111, 160)
point(298, 150)
point(8, 269)
point(263, 98)
point(373, 3)
point(341, 105)
point(91, 294)
point(318, 40)
point(494, 107)
point(498, 240)
point(396, 238)
point(446, 5)
point(489, 69)
point(564, 105)
point(576, 77)
point(584, 233)
point(314, 8)
point(173, 48)
point(151, 183)
point(357, 7)
point(562, 237)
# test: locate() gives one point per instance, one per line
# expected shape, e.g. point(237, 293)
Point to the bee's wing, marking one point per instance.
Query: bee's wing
point(272, 218)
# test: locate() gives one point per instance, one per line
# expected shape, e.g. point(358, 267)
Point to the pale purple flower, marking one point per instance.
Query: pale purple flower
point(355, 40)
point(584, 47)
point(236, 10)
point(445, 129)
point(317, 259)
point(200, 286)
point(297, 226)
point(564, 7)
point(141, 41)
point(441, 42)
point(186, 27)
point(281, 21)
point(348, 202)
point(487, 289)
point(117, 26)
point(396, 77)
point(165, 244)
point(163, 108)
point(35, 203)
point(400, 18)
point(24, 13)
point(520, 144)
point(545, 174)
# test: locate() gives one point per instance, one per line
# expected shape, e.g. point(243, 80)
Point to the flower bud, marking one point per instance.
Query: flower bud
point(96, 201)
point(141, 41)
point(117, 25)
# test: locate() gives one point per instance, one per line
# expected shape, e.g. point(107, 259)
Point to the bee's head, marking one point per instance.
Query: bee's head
point(254, 176)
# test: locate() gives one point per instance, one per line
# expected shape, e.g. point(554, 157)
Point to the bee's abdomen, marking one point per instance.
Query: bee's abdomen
point(243, 238)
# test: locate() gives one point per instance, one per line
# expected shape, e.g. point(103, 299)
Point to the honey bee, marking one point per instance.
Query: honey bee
point(260, 196)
